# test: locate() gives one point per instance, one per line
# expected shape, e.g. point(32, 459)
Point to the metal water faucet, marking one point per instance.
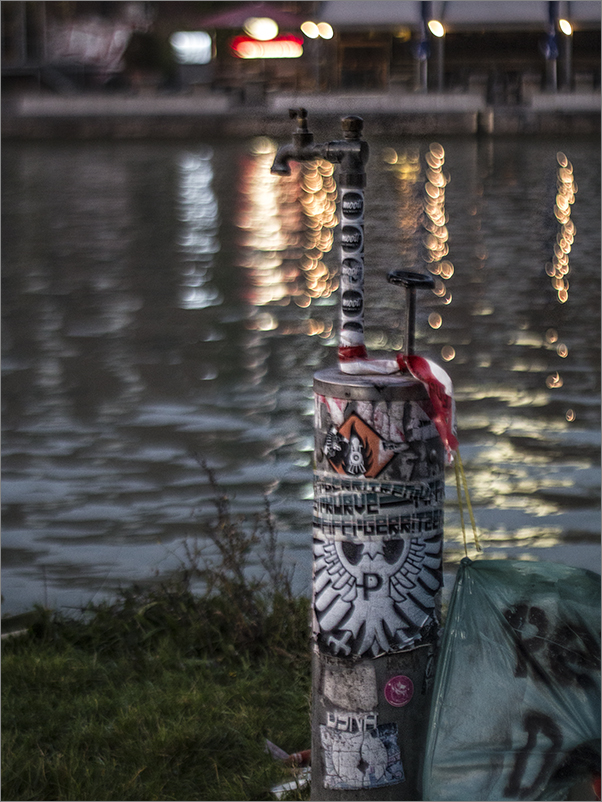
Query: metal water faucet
point(351, 152)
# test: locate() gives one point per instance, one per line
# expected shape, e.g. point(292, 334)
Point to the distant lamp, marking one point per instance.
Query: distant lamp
point(436, 28)
point(262, 28)
point(325, 30)
point(403, 34)
point(310, 29)
point(565, 26)
point(313, 31)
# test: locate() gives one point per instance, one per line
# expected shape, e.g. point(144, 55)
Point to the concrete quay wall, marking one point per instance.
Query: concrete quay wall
point(190, 116)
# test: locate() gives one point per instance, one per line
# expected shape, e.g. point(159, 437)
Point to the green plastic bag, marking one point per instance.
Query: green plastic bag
point(516, 701)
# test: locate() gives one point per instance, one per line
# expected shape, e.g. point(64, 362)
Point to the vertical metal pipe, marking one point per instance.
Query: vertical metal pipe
point(351, 182)
point(21, 33)
point(566, 62)
point(439, 47)
point(422, 74)
point(551, 47)
point(411, 282)
point(409, 338)
point(422, 50)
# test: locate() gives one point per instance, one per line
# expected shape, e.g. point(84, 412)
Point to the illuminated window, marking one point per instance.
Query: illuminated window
point(192, 47)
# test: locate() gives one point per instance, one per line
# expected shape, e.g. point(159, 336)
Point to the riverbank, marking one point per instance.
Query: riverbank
point(151, 699)
point(165, 116)
point(164, 693)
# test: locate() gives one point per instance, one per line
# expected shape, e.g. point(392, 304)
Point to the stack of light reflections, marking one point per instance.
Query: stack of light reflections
point(422, 223)
point(318, 202)
point(408, 184)
point(508, 484)
point(435, 242)
point(408, 180)
point(558, 268)
point(198, 241)
point(269, 219)
point(514, 479)
point(287, 227)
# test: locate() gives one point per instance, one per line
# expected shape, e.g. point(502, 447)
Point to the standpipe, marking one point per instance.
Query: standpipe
point(377, 528)
point(351, 154)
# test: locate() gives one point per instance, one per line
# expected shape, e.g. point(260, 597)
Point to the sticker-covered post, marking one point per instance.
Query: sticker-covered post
point(377, 530)
point(378, 534)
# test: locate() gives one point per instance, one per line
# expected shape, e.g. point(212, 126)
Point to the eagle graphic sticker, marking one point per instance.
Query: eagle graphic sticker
point(377, 596)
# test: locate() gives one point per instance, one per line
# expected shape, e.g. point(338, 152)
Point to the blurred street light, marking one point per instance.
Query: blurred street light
point(438, 31)
point(314, 31)
point(317, 31)
point(325, 30)
point(310, 29)
point(565, 54)
point(436, 28)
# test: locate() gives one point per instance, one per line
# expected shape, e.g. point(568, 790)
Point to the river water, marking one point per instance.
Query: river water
point(162, 300)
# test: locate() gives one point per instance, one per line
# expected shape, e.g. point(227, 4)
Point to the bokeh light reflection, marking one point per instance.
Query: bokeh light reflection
point(558, 269)
point(566, 188)
point(407, 171)
point(286, 228)
point(435, 241)
point(269, 221)
point(198, 241)
point(422, 219)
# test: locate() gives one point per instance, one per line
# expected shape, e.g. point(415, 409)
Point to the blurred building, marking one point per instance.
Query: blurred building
point(504, 50)
point(498, 46)
point(67, 46)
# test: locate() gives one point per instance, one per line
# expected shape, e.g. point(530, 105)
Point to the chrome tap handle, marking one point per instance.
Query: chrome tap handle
point(412, 282)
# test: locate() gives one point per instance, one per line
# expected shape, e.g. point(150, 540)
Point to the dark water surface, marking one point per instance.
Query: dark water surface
point(166, 298)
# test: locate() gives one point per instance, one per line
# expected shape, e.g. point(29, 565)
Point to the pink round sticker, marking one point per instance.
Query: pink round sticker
point(399, 691)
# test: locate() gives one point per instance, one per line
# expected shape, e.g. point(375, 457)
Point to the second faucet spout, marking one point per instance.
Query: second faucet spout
point(283, 156)
point(302, 148)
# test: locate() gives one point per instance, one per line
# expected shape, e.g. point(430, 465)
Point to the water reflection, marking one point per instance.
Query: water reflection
point(422, 220)
point(198, 242)
point(538, 435)
point(270, 223)
point(410, 202)
point(287, 227)
point(134, 273)
point(558, 269)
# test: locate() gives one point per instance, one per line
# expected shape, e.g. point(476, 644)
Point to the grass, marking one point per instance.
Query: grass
point(164, 694)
